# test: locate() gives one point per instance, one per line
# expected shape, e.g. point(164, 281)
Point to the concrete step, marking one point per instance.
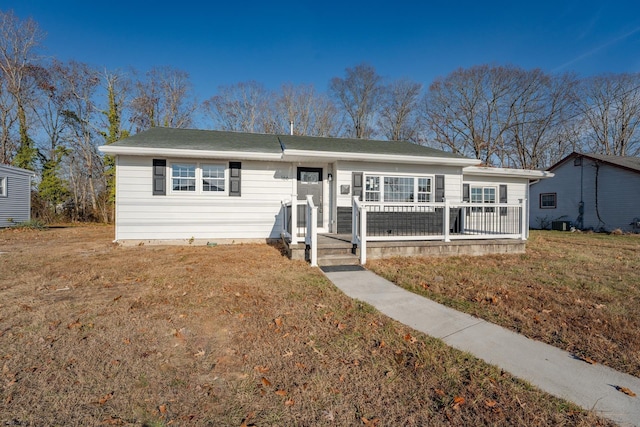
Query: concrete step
point(337, 259)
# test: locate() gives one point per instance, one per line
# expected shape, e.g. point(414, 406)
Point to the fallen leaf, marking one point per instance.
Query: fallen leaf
point(278, 321)
point(199, 354)
point(261, 369)
point(341, 326)
point(626, 391)
point(439, 392)
point(457, 402)
point(247, 419)
point(281, 392)
point(289, 402)
point(288, 353)
point(587, 359)
point(162, 409)
point(112, 422)
point(372, 422)
point(490, 403)
point(266, 382)
point(126, 341)
point(75, 324)
point(104, 399)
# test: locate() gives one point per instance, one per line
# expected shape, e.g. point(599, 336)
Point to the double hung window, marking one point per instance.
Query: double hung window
point(198, 178)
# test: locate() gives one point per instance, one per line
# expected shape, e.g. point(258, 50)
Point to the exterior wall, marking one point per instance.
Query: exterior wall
point(618, 198)
point(253, 215)
point(452, 181)
point(16, 203)
point(516, 188)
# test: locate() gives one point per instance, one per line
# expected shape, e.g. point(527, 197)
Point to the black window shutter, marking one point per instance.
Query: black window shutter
point(439, 189)
point(503, 199)
point(234, 178)
point(159, 177)
point(465, 193)
point(356, 179)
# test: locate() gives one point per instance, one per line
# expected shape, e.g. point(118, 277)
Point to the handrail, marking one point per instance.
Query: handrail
point(311, 236)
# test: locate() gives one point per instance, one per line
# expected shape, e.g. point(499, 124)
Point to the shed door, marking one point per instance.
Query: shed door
point(310, 183)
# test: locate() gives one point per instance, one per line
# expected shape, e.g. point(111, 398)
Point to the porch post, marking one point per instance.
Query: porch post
point(447, 220)
point(363, 235)
point(294, 219)
point(523, 219)
point(313, 231)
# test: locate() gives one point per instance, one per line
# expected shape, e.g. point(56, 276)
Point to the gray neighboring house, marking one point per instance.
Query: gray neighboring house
point(589, 191)
point(15, 195)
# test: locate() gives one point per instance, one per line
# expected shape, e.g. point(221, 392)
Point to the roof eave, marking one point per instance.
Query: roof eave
point(330, 156)
point(181, 152)
point(507, 173)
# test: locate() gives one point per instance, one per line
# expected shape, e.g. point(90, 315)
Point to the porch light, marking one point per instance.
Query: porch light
point(330, 176)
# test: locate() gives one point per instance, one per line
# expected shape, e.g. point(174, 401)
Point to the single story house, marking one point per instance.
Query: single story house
point(189, 185)
point(15, 195)
point(589, 191)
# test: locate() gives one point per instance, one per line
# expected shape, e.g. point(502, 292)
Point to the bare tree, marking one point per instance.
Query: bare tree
point(399, 119)
point(18, 43)
point(85, 166)
point(8, 120)
point(610, 106)
point(311, 113)
point(465, 111)
point(541, 118)
point(242, 107)
point(164, 97)
point(358, 95)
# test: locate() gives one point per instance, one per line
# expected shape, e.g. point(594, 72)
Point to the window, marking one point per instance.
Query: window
point(213, 178)
point(424, 190)
point(183, 177)
point(372, 189)
point(398, 189)
point(483, 195)
point(3, 186)
point(548, 200)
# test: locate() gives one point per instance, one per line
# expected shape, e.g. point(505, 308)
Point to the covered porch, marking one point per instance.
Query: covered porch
point(380, 230)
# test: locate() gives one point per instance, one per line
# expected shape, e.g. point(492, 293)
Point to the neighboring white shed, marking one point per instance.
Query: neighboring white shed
point(589, 191)
point(15, 195)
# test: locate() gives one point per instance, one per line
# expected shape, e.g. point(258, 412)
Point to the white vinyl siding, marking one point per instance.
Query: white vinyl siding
point(343, 176)
point(176, 216)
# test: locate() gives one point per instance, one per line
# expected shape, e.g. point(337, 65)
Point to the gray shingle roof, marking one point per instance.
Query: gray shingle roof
point(194, 139)
point(211, 140)
point(625, 162)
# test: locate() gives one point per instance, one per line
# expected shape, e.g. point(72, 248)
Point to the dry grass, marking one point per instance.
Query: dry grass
point(579, 292)
point(95, 334)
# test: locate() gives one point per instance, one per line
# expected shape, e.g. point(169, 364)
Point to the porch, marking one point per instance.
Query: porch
point(380, 230)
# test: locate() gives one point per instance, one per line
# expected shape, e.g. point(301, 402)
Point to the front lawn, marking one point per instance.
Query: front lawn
point(96, 334)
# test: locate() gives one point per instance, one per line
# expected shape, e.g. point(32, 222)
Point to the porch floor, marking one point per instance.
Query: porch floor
point(337, 249)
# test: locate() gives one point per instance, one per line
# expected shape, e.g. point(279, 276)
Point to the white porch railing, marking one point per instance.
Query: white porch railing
point(295, 232)
point(444, 221)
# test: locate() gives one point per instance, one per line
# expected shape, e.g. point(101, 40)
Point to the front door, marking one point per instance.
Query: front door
point(310, 183)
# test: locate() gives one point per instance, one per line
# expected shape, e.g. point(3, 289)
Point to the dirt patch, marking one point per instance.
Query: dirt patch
point(96, 334)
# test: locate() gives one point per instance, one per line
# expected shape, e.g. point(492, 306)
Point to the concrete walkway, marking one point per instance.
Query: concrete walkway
point(593, 387)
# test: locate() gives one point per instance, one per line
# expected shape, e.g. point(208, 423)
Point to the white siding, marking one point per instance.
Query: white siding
point(452, 181)
point(618, 199)
point(254, 215)
point(516, 187)
point(16, 203)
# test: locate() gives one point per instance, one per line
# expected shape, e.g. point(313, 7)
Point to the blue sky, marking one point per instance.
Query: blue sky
point(311, 42)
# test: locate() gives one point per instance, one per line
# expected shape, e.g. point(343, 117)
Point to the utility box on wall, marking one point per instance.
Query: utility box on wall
point(561, 225)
